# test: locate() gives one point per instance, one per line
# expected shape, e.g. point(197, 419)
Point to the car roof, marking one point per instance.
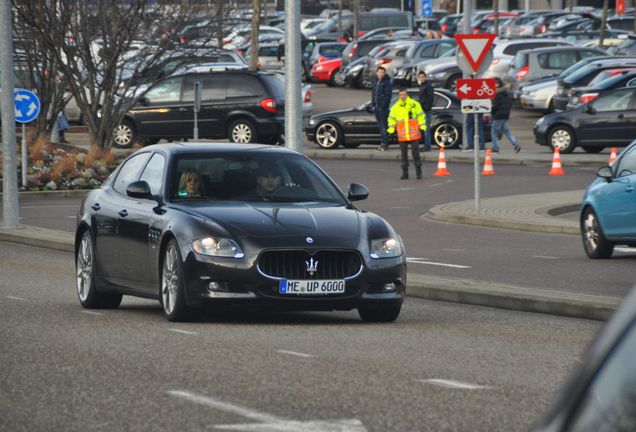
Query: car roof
point(175, 148)
point(553, 49)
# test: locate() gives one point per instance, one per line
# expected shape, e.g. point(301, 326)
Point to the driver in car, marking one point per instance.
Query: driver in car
point(268, 179)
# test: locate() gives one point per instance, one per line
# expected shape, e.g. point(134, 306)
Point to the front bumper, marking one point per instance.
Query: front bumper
point(541, 133)
point(320, 76)
point(531, 102)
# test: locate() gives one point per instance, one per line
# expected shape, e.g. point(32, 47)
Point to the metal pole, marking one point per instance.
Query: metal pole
point(340, 20)
point(24, 156)
point(527, 5)
point(293, 59)
point(10, 217)
point(476, 159)
point(496, 7)
point(356, 19)
point(468, 7)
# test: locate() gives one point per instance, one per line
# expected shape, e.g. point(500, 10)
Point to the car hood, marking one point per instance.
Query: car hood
point(540, 86)
point(336, 113)
point(440, 64)
point(271, 222)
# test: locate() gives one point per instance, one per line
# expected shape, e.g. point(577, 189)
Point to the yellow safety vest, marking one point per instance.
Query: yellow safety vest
point(409, 118)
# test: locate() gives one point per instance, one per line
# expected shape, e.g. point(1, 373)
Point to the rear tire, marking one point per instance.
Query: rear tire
point(242, 131)
point(592, 150)
point(86, 278)
point(595, 243)
point(124, 135)
point(386, 314)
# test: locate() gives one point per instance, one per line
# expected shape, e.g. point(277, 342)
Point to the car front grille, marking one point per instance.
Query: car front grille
point(293, 264)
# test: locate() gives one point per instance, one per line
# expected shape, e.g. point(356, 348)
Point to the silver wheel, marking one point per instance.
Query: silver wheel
point(328, 135)
point(594, 241)
point(446, 135)
point(242, 133)
point(84, 268)
point(561, 138)
point(339, 78)
point(123, 135)
point(170, 280)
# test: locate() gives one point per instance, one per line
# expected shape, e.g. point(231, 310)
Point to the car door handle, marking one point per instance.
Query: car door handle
point(96, 207)
point(123, 213)
point(621, 116)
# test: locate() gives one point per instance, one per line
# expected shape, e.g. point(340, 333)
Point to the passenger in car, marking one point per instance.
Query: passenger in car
point(190, 185)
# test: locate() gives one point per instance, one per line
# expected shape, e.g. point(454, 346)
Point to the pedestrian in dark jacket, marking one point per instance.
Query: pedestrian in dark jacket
point(381, 101)
point(426, 98)
point(502, 104)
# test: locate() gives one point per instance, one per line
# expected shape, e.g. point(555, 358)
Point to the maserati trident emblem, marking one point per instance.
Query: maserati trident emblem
point(309, 240)
point(312, 266)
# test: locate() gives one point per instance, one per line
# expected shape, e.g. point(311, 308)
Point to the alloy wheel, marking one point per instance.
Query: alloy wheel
point(170, 280)
point(327, 135)
point(241, 133)
point(84, 268)
point(446, 135)
point(123, 135)
point(591, 232)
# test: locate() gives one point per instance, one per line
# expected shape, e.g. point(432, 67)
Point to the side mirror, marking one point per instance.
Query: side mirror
point(139, 189)
point(357, 192)
point(606, 173)
point(144, 101)
point(589, 109)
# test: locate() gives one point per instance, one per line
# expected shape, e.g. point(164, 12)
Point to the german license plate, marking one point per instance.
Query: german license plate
point(311, 287)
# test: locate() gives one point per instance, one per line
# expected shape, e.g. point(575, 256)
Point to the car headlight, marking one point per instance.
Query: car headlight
point(540, 121)
point(220, 247)
point(312, 122)
point(356, 68)
point(439, 75)
point(400, 73)
point(386, 248)
point(318, 68)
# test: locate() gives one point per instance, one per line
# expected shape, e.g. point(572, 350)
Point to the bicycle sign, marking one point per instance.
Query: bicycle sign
point(476, 88)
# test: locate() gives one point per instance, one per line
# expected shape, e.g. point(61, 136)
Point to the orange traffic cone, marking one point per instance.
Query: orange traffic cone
point(441, 165)
point(489, 170)
point(612, 156)
point(556, 164)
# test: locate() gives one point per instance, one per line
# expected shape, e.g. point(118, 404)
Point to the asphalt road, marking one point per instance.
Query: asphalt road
point(441, 367)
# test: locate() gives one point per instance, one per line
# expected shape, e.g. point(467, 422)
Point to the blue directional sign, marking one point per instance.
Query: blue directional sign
point(27, 106)
point(427, 8)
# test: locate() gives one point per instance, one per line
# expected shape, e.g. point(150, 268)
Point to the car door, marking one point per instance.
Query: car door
point(607, 121)
point(211, 117)
point(137, 220)
point(108, 218)
point(617, 202)
point(160, 112)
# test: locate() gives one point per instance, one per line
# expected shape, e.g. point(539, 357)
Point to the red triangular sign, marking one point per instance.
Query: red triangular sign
point(475, 47)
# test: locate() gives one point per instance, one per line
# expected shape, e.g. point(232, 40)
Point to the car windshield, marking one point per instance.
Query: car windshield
point(610, 82)
point(250, 176)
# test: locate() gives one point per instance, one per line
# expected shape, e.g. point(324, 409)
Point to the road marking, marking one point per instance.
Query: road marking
point(435, 184)
point(625, 249)
point(93, 313)
point(400, 208)
point(16, 298)
point(268, 422)
point(294, 353)
point(454, 250)
point(545, 257)
point(403, 189)
point(183, 331)
point(452, 384)
point(71, 217)
point(424, 261)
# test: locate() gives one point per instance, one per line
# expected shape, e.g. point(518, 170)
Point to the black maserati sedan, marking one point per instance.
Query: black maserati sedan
point(195, 225)
point(352, 127)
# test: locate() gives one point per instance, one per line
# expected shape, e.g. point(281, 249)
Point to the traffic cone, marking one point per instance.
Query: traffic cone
point(556, 164)
point(441, 165)
point(612, 156)
point(489, 170)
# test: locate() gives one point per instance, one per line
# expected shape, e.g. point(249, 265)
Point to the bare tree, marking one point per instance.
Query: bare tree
point(111, 53)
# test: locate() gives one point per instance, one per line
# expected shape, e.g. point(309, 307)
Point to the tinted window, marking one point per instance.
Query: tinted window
point(331, 49)
point(557, 60)
point(364, 49)
point(610, 402)
point(426, 51)
point(401, 52)
point(276, 84)
point(444, 47)
point(520, 61)
point(374, 21)
point(213, 87)
point(627, 164)
point(129, 172)
point(616, 101)
point(244, 86)
point(590, 53)
point(515, 48)
point(268, 51)
point(153, 173)
point(167, 91)
point(440, 102)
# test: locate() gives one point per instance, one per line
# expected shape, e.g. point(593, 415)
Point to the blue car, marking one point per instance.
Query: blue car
point(608, 214)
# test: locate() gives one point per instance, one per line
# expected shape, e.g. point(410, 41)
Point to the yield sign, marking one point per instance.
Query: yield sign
point(475, 47)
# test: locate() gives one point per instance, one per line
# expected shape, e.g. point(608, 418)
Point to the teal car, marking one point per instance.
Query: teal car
point(608, 213)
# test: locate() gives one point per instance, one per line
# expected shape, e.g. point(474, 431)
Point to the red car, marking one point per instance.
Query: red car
point(326, 71)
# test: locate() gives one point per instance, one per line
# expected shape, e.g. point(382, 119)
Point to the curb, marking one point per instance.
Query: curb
point(466, 291)
point(75, 193)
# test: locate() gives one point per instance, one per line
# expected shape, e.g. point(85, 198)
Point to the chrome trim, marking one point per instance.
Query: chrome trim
point(226, 295)
point(258, 267)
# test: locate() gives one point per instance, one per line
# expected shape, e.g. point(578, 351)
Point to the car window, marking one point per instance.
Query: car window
point(627, 164)
point(590, 53)
point(426, 51)
point(615, 101)
point(557, 60)
point(244, 86)
point(631, 83)
point(445, 47)
point(401, 53)
point(268, 51)
point(331, 49)
point(513, 49)
point(129, 172)
point(212, 87)
point(441, 102)
point(167, 91)
point(520, 61)
point(153, 173)
point(610, 401)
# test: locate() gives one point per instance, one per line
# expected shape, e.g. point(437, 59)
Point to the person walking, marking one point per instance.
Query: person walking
point(470, 132)
point(407, 120)
point(380, 101)
point(502, 104)
point(426, 97)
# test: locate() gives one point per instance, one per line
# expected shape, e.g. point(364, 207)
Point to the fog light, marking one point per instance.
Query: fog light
point(213, 286)
point(389, 286)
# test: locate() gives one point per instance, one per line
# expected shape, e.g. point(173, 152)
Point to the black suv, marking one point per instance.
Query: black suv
point(240, 105)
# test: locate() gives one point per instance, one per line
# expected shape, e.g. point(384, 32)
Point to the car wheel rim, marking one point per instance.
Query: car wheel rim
point(241, 133)
point(339, 78)
point(84, 268)
point(123, 135)
point(591, 232)
point(169, 280)
point(327, 135)
point(561, 139)
point(446, 135)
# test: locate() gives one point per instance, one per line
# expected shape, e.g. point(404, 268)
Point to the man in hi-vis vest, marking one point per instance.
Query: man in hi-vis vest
point(407, 119)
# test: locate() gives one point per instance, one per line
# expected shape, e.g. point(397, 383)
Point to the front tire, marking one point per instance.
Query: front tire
point(242, 132)
point(329, 135)
point(85, 272)
point(562, 137)
point(595, 243)
point(332, 79)
point(386, 314)
point(172, 295)
point(446, 135)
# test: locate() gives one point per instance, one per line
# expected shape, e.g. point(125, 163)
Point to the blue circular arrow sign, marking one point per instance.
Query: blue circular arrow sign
point(27, 106)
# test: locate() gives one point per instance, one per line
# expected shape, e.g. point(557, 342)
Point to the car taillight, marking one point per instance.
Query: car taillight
point(353, 50)
point(383, 61)
point(587, 97)
point(444, 28)
point(495, 61)
point(307, 96)
point(521, 74)
point(269, 105)
point(522, 29)
point(322, 59)
point(361, 33)
point(543, 28)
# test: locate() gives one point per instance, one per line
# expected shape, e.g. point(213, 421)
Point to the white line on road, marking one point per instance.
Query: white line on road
point(452, 384)
point(400, 208)
point(403, 189)
point(454, 250)
point(424, 261)
point(545, 257)
point(435, 184)
point(16, 298)
point(294, 353)
point(93, 313)
point(225, 406)
point(183, 331)
point(625, 249)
